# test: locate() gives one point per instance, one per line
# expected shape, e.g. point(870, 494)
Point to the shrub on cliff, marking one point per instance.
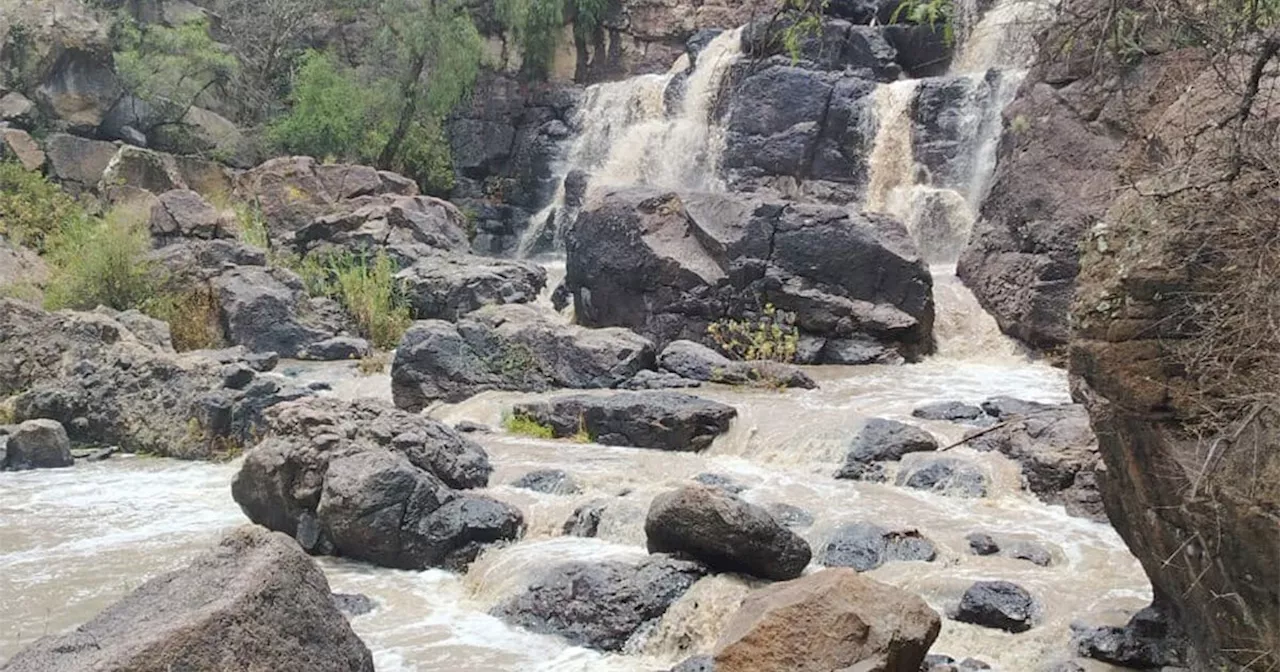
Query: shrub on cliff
point(32, 208)
point(101, 262)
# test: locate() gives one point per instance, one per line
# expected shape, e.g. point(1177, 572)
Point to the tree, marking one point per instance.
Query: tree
point(268, 37)
point(170, 68)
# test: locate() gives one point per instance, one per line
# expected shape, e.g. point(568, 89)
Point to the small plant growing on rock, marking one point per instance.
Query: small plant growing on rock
point(102, 262)
point(771, 337)
point(523, 425)
point(194, 316)
point(365, 286)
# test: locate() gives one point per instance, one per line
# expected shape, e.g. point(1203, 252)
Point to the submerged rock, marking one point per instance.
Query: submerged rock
point(600, 605)
point(864, 547)
point(35, 444)
point(511, 347)
point(951, 476)
point(998, 604)
point(790, 515)
point(723, 483)
point(726, 533)
point(548, 481)
point(883, 440)
point(658, 420)
point(354, 604)
point(830, 620)
point(223, 611)
point(658, 380)
point(955, 411)
point(585, 520)
point(981, 543)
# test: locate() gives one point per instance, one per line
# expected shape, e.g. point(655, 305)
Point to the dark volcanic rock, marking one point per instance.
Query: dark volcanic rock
point(951, 476)
point(510, 347)
point(364, 480)
point(864, 547)
point(669, 266)
point(726, 533)
point(585, 521)
point(998, 604)
point(261, 309)
point(658, 380)
point(981, 543)
point(955, 411)
point(600, 605)
point(698, 362)
point(883, 440)
point(448, 286)
point(35, 444)
point(221, 612)
point(1151, 639)
point(548, 481)
point(658, 420)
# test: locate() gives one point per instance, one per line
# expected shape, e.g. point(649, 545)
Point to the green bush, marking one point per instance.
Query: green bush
point(771, 337)
point(526, 426)
point(366, 287)
point(102, 262)
point(328, 116)
point(194, 317)
point(31, 208)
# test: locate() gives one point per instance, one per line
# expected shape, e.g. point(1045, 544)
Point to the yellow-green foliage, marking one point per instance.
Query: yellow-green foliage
point(523, 425)
point(31, 208)
point(251, 226)
point(373, 364)
point(102, 262)
point(771, 337)
point(194, 317)
point(366, 287)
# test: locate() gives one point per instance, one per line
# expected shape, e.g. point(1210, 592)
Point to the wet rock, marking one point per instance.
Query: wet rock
point(722, 482)
point(941, 663)
point(981, 543)
point(830, 620)
point(220, 612)
point(658, 420)
point(1065, 666)
point(955, 411)
point(261, 308)
point(600, 605)
point(585, 521)
point(367, 481)
point(882, 440)
point(658, 380)
point(469, 427)
point(864, 547)
point(182, 213)
point(511, 347)
point(97, 455)
point(1151, 639)
point(998, 604)
point(695, 361)
point(448, 286)
point(669, 265)
point(337, 348)
point(548, 481)
point(790, 515)
point(1056, 447)
point(354, 604)
point(726, 533)
point(37, 444)
point(951, 476)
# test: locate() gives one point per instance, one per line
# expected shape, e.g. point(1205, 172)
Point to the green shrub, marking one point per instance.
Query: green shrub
point(366, 287)
point(771, 337)
point(251, 226)
point(328, 116)
point(194, 316)
point(102, 262)
point(937, 14)
point(31, 208)
point(523, 425)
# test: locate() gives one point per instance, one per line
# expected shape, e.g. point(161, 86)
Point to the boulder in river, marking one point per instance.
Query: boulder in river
point(446, 286)
point(830, 620)
point(883, 440)
point(696, 361)
point(946, 475)
point(510, 347)
point(585, 520)
point(726, 533)
point(864, 547)
point(981, 543)
point(35, 444)
point(955, 411)
point(364, 480)
point(998, 604)
point(548, 481)
point(602, 604)
point(670, 265)
point(222, 612)
point(1152, 639)
point(659, 420)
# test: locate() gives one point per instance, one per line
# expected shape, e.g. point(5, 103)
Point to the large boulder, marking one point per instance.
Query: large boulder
point(182, 213)
point(35, 444)
point(78, 161)
point(865, 546)
point(882, 440)
point(367, 481)
point(669, 266)
point(600, 605)
point(829, 620)
point(265, 309)
point(945, 475)
point(223, 611)
point(448, 286)
point(695, 361)
point(407, 227)
point(510, 347)
point(726, 533)
point(998, 604)
point(121, 384)
point(658, 420)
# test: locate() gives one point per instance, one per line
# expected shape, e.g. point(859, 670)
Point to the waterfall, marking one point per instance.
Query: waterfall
point(630, 135)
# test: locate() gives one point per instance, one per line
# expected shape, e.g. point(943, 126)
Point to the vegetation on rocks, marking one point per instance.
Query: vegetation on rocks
point(524, 425)
point(366, 287)
point(771, 337)
point(100, 262)
point(32, 209)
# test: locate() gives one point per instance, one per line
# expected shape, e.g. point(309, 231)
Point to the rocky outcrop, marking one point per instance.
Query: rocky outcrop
point(865, 546)
point(448, 286)
point(669, 266)
point(367, 481)
point(35, 444)
point(266, 309)
point(657, 420)
point(695, 361)
point(223, 611)
point(600, 605)
point(830, 620)
point(726, 533)
point(510, 347)
point(113, 384)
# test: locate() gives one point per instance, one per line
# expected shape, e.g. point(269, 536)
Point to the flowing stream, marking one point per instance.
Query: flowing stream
point(73, 541)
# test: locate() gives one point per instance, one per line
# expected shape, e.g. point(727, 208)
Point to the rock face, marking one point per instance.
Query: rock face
point(830, 620)
point(183, 213)
point(668, 266)
point(600, 605)
point(370, 482)
point(998, 604)
point(1057, 450)
point(510, 347)
point(724, 532)
point(448, 286)
point(658, 420)
point(36, 444)
point(695, 361)
point(883, 440)
point(864, 547)
point(223, 611)
point(112, 384)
